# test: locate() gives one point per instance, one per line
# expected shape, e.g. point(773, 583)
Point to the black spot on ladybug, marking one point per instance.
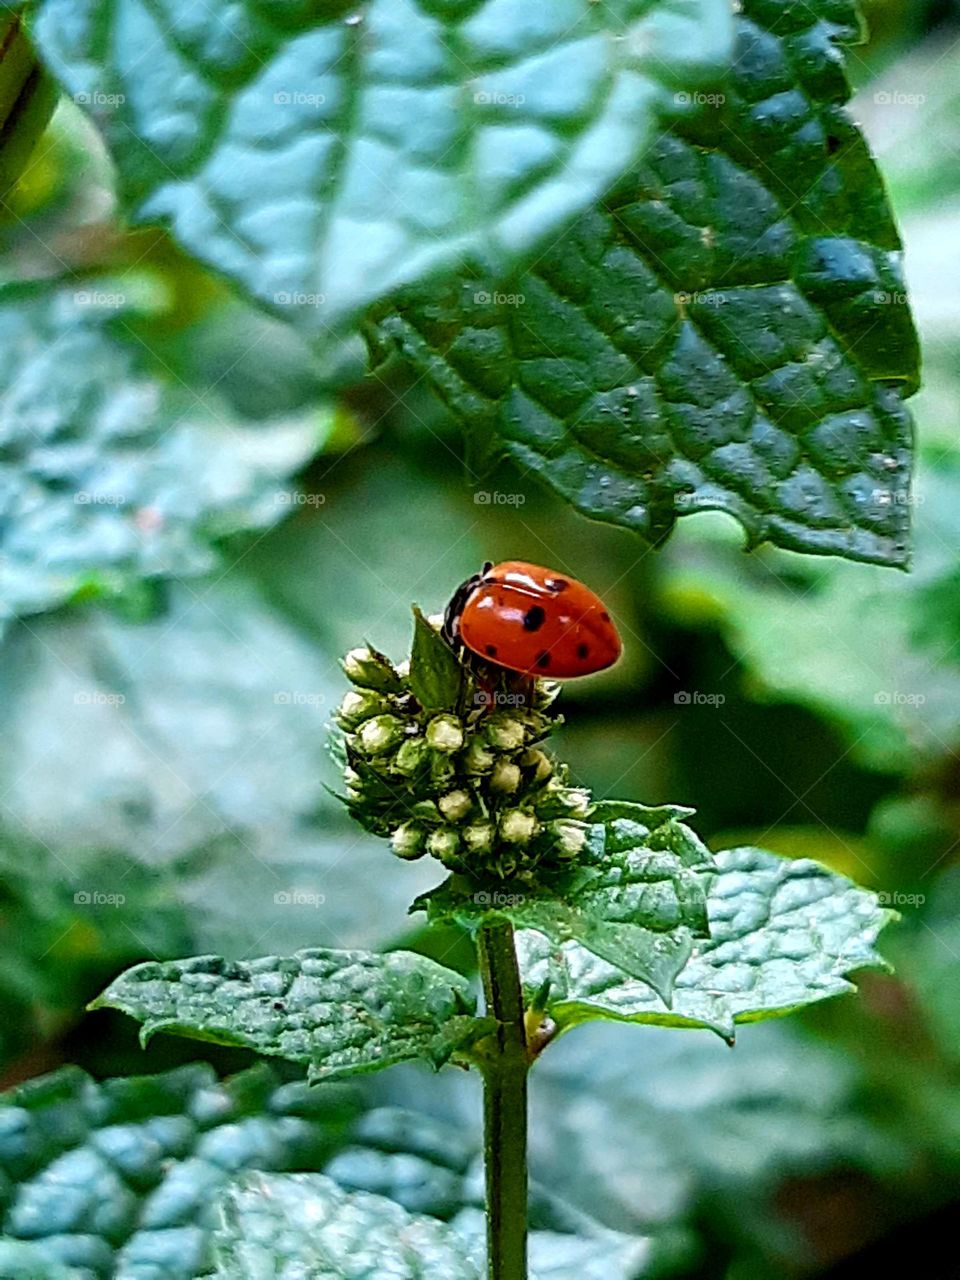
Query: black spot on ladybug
point(556, 584)
point(583, 651)
point(543, 660)
point(605, 617)
point(491, 651)
point(534, 618)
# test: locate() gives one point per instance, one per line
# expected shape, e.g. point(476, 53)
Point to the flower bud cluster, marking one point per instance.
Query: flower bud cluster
point(470, 786)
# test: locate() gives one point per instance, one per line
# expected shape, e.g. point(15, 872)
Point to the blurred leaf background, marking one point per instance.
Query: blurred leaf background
point(166, 685)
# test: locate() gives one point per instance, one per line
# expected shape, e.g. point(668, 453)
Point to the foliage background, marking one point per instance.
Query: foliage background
point(165, 724)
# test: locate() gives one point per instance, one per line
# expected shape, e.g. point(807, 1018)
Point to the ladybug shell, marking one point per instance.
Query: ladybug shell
point(538, 621)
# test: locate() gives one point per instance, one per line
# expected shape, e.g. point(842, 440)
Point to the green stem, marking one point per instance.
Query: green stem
point(505, 1106)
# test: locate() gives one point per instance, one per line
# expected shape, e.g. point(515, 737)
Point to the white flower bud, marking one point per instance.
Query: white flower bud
point(506, 734)
point(407, 841)
point(371, 670)
point(479, 758)
point(410, 755)
point(379, 735)
point(578, 801)
point(517, 826)
point(445, 733)
point(505, 777)
point(539, 761)
point(443, 844)
point(358, 705)
point(455, 805)
point(478, 836)
point(570, 837)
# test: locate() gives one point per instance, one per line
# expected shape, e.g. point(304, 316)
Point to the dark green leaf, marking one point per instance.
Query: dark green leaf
point(118, 1179)
point(435, 673)
point(288, 1226)
point(323, 157)
point(783, 934)
point(305, 1225)
point(27, 99)
point(111, 472)
point(339, 1012)
point(637, 900)
point(875, 653)
point(728, 329)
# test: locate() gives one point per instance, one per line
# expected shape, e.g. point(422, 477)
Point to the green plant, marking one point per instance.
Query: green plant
point(639, 251)
point(580, 910)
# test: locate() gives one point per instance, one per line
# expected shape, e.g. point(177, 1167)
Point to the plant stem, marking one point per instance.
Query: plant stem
point(505, 1106)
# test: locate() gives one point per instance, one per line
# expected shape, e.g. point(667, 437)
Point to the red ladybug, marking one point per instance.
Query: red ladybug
point(533, 620)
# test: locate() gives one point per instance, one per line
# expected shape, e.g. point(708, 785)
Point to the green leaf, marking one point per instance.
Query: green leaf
point(27, 99)
point(638, 900)
point(27, 1262)
point(783, 934)
point(121, 1178)
point(305, 1225)
point(339, 1012)
point(322, 156)
point(435, 674)
point(118, 1178)
point(112, 472)
point(292, 1225)
point(874, 653)
point(727, 329)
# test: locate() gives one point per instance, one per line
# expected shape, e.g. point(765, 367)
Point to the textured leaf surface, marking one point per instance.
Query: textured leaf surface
point(291, 1225)
point(118, 1179)
point(637, 900)
point(305, 1225)
point(110, 473)
point(874, 653)
point(728, 330)
point(321, 157)
point(782, 934)
point(339, 1012)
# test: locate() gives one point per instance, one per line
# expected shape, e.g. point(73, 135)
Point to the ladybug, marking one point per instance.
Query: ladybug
point(533, 620)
